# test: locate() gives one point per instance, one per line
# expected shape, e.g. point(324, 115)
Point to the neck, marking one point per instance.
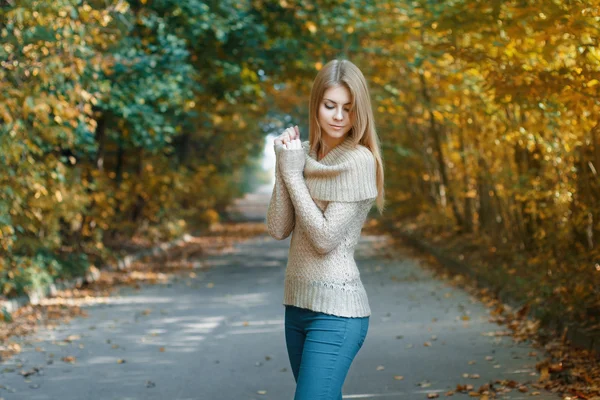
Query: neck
point(329, 143)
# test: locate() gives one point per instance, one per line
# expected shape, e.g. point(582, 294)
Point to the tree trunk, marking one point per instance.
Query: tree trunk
point(468, 202)
point(438, 153)
point(139, 204)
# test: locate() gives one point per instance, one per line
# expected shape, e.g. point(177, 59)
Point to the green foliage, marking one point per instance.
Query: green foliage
point(147, 117)
point(109, 112)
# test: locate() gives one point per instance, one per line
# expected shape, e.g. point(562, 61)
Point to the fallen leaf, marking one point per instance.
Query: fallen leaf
point(30, 372)
point(544, 374)
point(71, 338)
point(556, 367)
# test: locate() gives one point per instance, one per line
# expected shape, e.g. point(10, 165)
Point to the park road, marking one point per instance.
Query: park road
point(218, 334)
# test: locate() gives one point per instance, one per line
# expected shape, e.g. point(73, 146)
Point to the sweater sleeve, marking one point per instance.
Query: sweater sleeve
point(325, 229)
point(280, 213)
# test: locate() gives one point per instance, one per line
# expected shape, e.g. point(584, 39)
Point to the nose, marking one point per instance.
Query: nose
point(338, 115)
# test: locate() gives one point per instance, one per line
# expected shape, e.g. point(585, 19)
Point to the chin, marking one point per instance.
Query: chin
point(336, 134)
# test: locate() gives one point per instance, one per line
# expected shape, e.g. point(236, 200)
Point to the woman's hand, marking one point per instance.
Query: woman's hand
point(292, 158)
point(289, 151)
point(293, 145)
point(288, 135)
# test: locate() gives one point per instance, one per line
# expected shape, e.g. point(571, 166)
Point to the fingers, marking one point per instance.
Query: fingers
point(293, 144)
point(291, 133)
point(285, 136)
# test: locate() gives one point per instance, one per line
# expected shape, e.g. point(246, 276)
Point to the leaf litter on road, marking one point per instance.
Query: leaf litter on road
point(181, 261)
point(564, 369)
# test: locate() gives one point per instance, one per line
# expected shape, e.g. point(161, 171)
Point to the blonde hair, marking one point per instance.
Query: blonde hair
point(345, 73)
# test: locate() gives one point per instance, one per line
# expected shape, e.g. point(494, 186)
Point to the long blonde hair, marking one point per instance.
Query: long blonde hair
point(345, 73)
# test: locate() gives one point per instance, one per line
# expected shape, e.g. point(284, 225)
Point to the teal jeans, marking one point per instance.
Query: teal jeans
point(321, 348)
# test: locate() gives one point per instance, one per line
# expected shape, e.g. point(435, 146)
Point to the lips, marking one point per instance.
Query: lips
point(335, 126)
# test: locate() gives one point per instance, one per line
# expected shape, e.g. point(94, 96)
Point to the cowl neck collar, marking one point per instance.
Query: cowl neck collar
point(346, 173)
point(344, 145)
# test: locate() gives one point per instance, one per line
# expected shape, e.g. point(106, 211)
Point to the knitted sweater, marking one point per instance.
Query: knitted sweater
point(325, 204)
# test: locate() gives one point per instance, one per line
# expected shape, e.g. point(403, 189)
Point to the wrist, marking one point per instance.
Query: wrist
point(292, 161)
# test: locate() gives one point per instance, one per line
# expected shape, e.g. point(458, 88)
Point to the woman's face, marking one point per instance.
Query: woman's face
point(335, 118)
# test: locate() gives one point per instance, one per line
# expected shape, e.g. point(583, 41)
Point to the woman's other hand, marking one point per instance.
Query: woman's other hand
point(293, 145)
point(292, 157)
point(287, 159)
point(288, 135)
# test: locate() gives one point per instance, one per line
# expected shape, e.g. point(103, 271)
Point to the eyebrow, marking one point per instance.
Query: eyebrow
point(336, 103)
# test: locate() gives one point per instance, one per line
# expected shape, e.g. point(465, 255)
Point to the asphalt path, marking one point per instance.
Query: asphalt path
point(220, 335)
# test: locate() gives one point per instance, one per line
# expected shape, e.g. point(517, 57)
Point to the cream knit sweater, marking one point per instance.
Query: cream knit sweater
point(325, 204)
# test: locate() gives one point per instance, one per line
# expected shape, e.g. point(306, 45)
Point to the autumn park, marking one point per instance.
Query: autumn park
point(137, 164)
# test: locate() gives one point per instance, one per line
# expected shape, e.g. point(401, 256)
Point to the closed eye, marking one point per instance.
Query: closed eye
point(332, 107)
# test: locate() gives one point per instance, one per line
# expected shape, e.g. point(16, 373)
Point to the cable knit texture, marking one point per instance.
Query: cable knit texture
point(323, 204)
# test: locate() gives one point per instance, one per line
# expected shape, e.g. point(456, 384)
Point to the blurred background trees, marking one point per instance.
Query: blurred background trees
point(145, 119)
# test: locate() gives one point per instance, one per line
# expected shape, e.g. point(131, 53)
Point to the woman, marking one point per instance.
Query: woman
point(324, 189)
